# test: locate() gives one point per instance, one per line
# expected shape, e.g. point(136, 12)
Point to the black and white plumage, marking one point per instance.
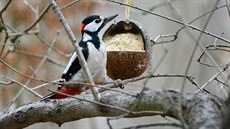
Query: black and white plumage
point(94, 51)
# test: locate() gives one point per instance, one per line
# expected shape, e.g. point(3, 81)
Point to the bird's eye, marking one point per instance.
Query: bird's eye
point(98, 20)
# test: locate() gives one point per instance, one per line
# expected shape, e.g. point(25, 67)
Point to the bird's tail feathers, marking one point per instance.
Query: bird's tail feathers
point(47, 97)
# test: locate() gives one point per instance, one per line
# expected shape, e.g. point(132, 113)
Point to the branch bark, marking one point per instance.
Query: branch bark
point(200, 110)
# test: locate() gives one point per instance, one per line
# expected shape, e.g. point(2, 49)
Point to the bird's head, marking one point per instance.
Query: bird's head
point(95, 23)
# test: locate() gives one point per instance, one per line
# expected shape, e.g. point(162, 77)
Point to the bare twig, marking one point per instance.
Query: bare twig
point(34, 73)
point(2, 23)
point(150, 75)
point(38, 19)
point(32, 24)
point(173, 20)
point(69, 4)
point(15, 70)
point(22, 85)
point(128, 112)
point(219, 47)
point(225, 84)
point(154, 125)
point(108, 123)
point(30, 6)
point(6, 83)
point(46, 43)
point(94, 102)
point(5, 7)
point(157, 6)
point(170, 38)
point(49, 59)
point(30, 32)
point(190, 59)
point(213, 47)
point(228, 8)
point(202, 15)
point(45, 84)
point(211, 79)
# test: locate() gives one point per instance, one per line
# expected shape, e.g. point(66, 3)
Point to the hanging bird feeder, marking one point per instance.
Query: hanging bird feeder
point(128, 50)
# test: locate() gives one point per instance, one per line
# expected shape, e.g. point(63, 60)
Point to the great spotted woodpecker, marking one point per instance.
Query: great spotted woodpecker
point(94, 51)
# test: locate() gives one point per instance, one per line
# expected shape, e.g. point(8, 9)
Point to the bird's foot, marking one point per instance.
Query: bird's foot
point(119, 83)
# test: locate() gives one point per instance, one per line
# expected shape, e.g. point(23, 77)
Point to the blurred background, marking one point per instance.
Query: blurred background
point(30, 53)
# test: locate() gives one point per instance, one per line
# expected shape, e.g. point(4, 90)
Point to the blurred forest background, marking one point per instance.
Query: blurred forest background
point(41, 49)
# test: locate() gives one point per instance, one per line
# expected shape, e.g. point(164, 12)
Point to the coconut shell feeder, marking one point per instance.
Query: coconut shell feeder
point(128, 50)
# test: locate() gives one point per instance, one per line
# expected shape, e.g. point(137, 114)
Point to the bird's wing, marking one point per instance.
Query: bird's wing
point(74, 65)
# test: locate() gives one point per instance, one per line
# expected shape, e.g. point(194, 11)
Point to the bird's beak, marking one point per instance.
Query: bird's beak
point(108, 19)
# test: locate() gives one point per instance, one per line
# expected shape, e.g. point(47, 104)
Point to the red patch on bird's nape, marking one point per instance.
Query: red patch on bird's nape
point(82, 27)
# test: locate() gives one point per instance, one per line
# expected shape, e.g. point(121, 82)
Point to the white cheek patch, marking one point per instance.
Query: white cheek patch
point(86, 37)
point(92, 27)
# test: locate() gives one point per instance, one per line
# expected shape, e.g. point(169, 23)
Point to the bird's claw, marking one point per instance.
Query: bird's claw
point(119, 83)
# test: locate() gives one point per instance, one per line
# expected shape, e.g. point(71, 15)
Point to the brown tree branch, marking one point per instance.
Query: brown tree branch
point(203, 106)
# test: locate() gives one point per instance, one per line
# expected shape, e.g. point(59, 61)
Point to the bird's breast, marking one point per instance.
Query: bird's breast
point(97, 60)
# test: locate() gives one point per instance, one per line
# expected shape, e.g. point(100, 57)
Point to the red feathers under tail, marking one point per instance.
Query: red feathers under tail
point(69, 91)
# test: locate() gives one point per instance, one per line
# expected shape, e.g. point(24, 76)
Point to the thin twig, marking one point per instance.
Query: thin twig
point(206, 64)
point(6, 83)
point(6, 35)
point(30, 32)
point(5, 7)
point(228, 8)
point(15, 70)
point(30, 6)
point(46, 43)
point(32, 24)
point(22, 85)
point(171, 38)
point(212, 78)
point(94, 102)
point(108, 123)
point(156, 6)
point(216, 47)
point(34, 73)
point(127, 112)
point(154, 125)
point(69, 4)
point(190, 60)
point(173, 20)
point(45, 84)
point(149, 75)
point(202, 15)
point(225, 84)
point(101, 88)
point(49, 59)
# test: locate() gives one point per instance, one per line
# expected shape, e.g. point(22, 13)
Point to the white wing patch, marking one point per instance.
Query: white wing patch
point(73, 57)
